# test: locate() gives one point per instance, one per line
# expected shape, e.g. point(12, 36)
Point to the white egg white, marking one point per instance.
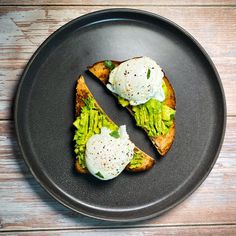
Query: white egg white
point(137, 80)
point(106, 155)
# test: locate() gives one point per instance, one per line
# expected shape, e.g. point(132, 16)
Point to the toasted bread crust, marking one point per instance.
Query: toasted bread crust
point(170, 100)
point(101, 71)
point(162, 142)
point(83, 92)
point(80, 169)
point(146, 165)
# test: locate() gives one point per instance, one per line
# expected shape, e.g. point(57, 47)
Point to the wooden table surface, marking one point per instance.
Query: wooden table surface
point(25, 208)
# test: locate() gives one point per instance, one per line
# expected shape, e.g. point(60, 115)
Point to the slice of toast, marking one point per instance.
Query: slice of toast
point(83, 92)
point(161, 142)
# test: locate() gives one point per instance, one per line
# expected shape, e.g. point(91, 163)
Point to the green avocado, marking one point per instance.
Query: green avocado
point(137, 161)
point(154, 116)
point(167, 113)
point(123, 102)
point(89, 122)
point(164, 88)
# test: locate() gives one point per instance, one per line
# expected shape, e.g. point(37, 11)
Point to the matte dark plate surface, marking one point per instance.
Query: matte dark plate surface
point(44, 113)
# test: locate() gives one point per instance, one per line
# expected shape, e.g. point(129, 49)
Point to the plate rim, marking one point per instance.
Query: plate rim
point(45, 186)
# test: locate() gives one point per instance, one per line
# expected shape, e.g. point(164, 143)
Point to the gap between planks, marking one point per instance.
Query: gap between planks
point(120, 5)
point(121, 2)
point(151, 226)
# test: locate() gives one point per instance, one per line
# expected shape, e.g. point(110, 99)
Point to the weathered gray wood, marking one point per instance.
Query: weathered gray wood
point(25, 205)
point(119, 2)
point(5, 109)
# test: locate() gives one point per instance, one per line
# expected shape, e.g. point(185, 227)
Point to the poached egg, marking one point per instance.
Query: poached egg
point(108, 153)
point(137, 80)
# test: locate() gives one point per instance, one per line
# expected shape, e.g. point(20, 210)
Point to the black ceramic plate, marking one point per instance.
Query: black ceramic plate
point(44, 113)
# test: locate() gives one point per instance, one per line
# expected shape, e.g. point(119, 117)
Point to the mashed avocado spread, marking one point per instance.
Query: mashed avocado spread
point(89, 122)
point(136, 161)
point(154, 116)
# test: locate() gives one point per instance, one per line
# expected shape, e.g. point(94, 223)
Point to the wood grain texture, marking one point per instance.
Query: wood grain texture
point(25, 28)
point(25, 205)
point(216, 230)
point(6, 109)
point(119, 2)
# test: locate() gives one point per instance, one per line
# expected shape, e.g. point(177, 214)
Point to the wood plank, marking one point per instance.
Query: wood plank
point(216, 230)
point(25, 28)
point(25, 205)
point(6, 108)
point(119, 2)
